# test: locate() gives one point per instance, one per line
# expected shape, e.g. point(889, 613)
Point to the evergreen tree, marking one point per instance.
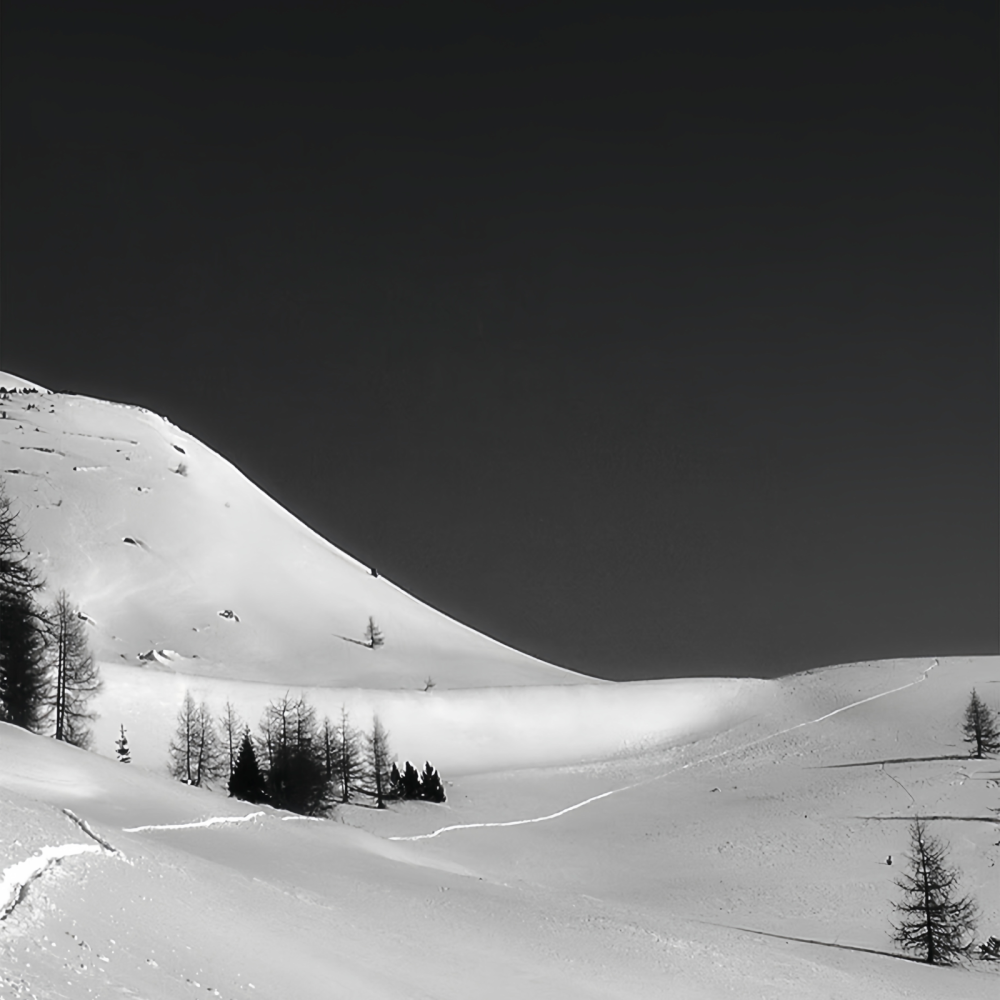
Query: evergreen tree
point(377, 763)
point(410, 782)
point(980, 727)
point(196, 755)
point(246, 782)
point(24, 674)
point(935, 924)
point(349, 765)
point(122, 750)
point(231, 728)
point(297, 781)
point(431, 788)
point(75, 675)
point(296, 765)
point(373, 635)
point(329, 741)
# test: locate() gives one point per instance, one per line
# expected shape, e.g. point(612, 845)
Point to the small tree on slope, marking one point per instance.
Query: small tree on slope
point(373, 635)
point(122, 750)
point(75, 675)
point(980, 727)
point(934, 924)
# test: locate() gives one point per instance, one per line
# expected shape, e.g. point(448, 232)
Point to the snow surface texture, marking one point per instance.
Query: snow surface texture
point(181, 564)
point(748, 862)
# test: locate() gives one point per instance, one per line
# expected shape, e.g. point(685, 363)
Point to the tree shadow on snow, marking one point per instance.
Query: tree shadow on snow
point(893, 760)
point(956, 819)
point(822, 944)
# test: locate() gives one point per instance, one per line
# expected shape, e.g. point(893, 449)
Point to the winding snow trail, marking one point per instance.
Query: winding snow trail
point(675, 770)
point(211, 821)
point(16, 878)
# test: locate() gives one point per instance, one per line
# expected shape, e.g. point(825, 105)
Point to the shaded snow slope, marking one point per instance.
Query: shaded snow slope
point(748, 862)
point(181, 563)
point(460, 731)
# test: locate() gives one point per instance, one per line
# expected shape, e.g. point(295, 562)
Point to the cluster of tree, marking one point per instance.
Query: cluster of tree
point(47, 674)
point(294, 762)
point(413, 785)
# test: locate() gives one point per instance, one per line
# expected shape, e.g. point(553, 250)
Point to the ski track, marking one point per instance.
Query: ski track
point(203, 823)
point(16, 878)
point(664, 774)
point(85, 826)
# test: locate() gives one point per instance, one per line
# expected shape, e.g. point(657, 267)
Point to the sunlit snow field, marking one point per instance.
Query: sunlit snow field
point(700, 838)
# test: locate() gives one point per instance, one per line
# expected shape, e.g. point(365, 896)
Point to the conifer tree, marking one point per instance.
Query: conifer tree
point(75, 676)
point(431, 788)
point(296, 770)
point(231, 728)
point(349, 765)
point(196, 755)
point(246, 782)
point(373, 635)
point(329, 742)
point(935, 923)
point(122, 750)
point(377, 763)
point(980, 727)
point(410, 782)
point(25, 685)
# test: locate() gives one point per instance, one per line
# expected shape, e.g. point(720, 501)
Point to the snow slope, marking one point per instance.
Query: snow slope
point(181, 563)
point(748, 863)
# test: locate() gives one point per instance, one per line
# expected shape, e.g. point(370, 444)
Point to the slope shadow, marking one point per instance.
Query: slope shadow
point(957, 819)
point(894, 760)
point(822, 944)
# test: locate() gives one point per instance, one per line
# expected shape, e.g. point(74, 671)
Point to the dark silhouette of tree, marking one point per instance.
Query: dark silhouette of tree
point(378, 761)
point(246, 781)
point(297, 781)
point(74, 673)
point(231, 728)
point(373, 635)
point(122, 750)
point(286, 722)
point(196, 755)
point(935, 923)
point(296, 766)
point(24, 673)
point(349, 764)
point(980, 727)
point(410, 782)
point(431, 788)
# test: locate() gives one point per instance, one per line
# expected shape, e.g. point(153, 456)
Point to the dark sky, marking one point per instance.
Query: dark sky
point(653, 340)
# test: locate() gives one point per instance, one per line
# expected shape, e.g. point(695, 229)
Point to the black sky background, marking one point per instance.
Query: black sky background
point(654, 340)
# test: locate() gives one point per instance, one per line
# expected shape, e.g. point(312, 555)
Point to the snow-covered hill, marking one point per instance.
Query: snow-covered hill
point(749, 862)
point(180, 563)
